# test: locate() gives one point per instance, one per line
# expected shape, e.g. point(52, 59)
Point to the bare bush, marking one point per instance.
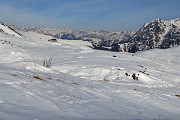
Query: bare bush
point(47, 63)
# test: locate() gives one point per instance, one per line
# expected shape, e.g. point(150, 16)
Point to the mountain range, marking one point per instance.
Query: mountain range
point(155, 34)
point(69, 34)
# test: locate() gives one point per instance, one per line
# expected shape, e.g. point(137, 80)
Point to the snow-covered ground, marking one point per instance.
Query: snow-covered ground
point(86, 84)
point(42, 37)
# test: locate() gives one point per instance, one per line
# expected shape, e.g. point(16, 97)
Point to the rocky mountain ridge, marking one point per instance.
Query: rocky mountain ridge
point(156, 34)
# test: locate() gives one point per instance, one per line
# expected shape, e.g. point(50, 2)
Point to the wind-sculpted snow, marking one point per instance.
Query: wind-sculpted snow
point(86, 84)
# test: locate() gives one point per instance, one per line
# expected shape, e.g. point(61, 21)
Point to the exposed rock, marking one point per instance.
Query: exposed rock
point(52, 40)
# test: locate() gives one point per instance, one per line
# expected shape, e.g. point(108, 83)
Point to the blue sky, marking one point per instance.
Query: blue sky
point(110, 15)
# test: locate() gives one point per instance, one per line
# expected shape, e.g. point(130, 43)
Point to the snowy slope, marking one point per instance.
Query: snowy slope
point(86, 84)
point(45, 38)
point(6, 29)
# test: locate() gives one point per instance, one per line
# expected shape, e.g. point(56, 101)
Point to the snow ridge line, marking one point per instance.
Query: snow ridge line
point(8, 28)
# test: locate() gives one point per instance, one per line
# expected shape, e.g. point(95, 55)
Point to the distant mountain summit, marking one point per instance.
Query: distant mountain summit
point(156, 34)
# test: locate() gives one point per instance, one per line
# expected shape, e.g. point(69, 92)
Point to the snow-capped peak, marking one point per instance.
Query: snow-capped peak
point(176, 22)
point(156, 34)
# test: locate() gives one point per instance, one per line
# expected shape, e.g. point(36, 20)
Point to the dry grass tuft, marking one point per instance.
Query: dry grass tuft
point(37, 77)
point(177, 95)
point(13, 74)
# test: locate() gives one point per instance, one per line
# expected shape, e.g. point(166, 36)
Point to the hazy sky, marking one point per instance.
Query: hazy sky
point(111, 15)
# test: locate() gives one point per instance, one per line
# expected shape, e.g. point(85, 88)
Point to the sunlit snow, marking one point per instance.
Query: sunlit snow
point(86, 84)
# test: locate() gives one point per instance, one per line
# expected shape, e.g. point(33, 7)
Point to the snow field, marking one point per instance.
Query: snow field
point(86, 84)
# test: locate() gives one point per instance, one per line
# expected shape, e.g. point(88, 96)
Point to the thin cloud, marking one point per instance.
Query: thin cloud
point(24, 17)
